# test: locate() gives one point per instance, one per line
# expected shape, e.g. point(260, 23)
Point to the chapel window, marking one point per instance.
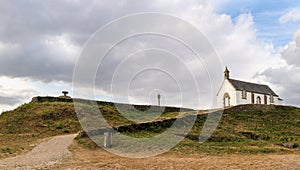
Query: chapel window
point(244, 94)
point(271, 98)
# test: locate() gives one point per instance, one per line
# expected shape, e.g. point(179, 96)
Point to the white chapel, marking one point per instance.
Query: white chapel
point(235, 92)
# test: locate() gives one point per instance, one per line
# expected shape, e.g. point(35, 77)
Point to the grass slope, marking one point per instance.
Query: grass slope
point(246, 129)
point(242, 129)
point(21, 129)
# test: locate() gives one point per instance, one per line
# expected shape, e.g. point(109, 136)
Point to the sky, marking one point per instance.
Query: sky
point(41, 43)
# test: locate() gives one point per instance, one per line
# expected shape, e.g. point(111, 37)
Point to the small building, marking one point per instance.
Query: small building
point(235, 92)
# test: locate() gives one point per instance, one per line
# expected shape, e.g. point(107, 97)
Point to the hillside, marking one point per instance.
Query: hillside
point(242, 129)
point(23, 127)
point(245, 129)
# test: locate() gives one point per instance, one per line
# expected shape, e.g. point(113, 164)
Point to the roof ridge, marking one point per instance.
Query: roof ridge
point(249, 82)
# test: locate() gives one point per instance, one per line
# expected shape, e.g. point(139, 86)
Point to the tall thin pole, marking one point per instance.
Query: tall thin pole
point(158, 99)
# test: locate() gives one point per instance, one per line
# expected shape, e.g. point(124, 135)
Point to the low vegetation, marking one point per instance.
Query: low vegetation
point(247, 129)
point(243, 129)
point(21, 129)
point(255, 131)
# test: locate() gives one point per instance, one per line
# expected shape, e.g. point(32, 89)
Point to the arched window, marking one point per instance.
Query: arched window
point(271, 98)
point(258, 100)
point(226, 100)
point(244, 94)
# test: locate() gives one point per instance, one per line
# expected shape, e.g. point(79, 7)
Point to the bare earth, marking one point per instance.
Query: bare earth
point(43, 155)
point(100, 159)
point(54, 154)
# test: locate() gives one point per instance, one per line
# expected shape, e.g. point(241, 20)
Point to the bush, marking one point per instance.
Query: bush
point(59, 126)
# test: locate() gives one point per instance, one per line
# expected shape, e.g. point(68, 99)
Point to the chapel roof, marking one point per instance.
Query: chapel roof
point(252, 87)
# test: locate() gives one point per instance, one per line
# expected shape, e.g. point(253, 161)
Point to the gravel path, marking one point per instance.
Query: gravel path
point(43, 155)
point(101, 159)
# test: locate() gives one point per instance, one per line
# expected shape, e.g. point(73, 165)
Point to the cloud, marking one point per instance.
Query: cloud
point(14, 92)
point(292, 51)
point(293, 15)
point(5, 100)
point(41, 40)
point(235, 40)
point(286, 81)
point(235, 43)
point(287, 77)
point(49, 60)
point(10, 98)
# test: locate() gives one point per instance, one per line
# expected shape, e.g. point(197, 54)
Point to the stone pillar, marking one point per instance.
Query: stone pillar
point(107, 139)
point(65, 93)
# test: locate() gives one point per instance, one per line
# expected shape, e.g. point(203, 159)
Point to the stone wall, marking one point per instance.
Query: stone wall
point(122, 106)
point(50, 99)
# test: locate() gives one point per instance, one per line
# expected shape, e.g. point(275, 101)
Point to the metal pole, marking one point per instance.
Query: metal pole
point(158, 99)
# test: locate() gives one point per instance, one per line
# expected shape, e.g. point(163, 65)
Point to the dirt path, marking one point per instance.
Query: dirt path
point(100, 159)
point(44, 154)
point(51, 153)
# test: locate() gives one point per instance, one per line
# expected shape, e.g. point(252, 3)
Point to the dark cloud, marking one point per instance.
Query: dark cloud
point(286, 81)
point(31, 20)
point(287, 78)
point(41, 40)
point(137, 66)
point(26, 28)
point(6, 100)
point(35, 63)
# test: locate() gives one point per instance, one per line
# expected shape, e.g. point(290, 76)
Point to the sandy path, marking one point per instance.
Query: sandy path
point(44, 154)
point(100, 159)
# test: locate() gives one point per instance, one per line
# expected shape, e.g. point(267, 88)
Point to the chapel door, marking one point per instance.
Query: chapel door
point(258, 100)
point(266, 99)
point(226, 100)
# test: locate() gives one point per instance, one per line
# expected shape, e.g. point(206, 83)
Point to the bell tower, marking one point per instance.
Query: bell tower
point(226, 73)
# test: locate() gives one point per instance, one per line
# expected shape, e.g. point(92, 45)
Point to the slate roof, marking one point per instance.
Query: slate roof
point(252, 87)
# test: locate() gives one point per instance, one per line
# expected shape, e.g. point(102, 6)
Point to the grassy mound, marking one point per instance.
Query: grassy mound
point(51, 118)
point(247, 129)
point(21, 129)
point(242, 129)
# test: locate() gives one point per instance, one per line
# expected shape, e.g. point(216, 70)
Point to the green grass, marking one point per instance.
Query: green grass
point(30, 122)
point(40, 118)
point(244, 129)
point(22, 128)
point(243, 132)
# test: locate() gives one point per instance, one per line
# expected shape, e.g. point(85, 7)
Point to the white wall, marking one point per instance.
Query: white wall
point(262, 98)
point(226, 87)
point(277, 102)
point(249, 98)
point(239, 99)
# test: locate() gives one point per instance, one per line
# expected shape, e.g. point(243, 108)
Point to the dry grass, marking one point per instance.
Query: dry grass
point(100, 159)
point(24, 127)
point(15, 144)
point(250, 131)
